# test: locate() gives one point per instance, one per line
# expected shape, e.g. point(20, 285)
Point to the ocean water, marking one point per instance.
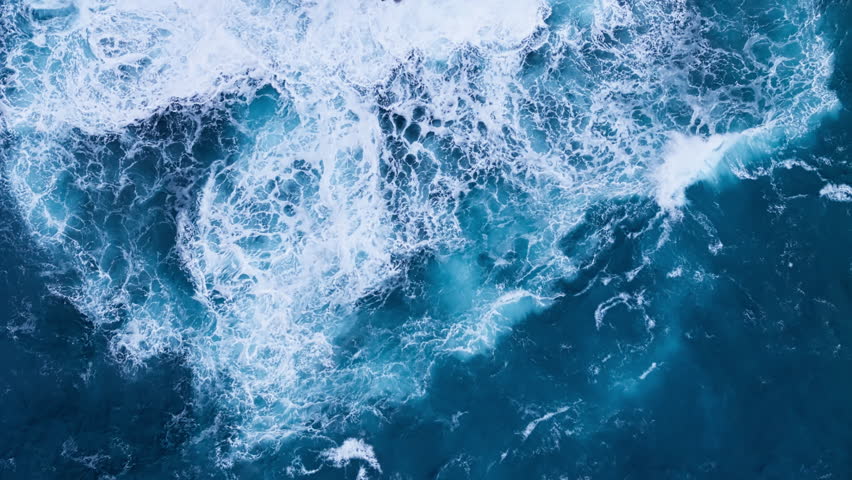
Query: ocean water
point(442, 239)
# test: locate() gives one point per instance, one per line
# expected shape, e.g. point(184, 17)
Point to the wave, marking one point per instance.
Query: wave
point(256, 184)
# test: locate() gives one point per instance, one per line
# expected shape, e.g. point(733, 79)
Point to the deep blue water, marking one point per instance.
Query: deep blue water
point(373, 240)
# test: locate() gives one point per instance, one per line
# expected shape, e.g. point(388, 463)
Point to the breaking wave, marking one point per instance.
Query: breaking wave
point(243, 182)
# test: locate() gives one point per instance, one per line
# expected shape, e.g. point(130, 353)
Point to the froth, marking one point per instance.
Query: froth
point(463, 140)
point(837, 193)
point(122, 61)
point(353, 449)
point(687, 159)
point(438, 27)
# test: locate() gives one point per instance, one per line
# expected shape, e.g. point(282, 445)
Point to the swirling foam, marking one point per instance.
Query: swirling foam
point(474, 135)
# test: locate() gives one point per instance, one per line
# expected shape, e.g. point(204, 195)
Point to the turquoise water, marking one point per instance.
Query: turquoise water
point(482, 239)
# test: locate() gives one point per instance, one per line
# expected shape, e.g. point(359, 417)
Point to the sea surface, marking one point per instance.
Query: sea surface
point(425, 239)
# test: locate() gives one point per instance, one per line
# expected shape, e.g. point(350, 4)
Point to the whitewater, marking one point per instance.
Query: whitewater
point(316, 204)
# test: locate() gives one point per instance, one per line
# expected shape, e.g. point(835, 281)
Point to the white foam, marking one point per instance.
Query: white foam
point(648, 371)
point(352, 449)
point(837, 193)
point(486, 314)
point(124, 60)
point(121, 61)
point(676, 273)
point(687, 159)
point(604, 307)
point(440, 26)
point(50, 4)
point(279, 268)
point(528, 430)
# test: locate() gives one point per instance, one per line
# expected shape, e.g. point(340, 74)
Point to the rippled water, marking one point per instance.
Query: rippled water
point(425, 239)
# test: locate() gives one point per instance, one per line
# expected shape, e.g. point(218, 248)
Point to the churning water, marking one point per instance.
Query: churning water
point(425, 239)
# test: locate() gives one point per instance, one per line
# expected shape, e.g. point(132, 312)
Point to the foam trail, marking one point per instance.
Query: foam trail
point(528, 430)
point(648, 371)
